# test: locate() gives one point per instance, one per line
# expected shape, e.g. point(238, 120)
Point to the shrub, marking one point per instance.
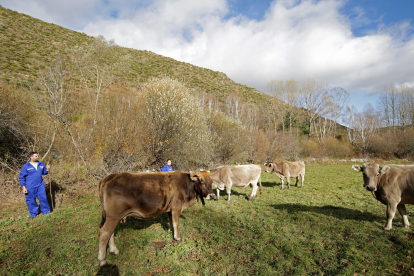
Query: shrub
point(405, 144)
point(283, 146)
point(172, 125)
point(229, 138)
point(337, 149)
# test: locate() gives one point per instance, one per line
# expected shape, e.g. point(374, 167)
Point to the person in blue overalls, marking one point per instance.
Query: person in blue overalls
point(167, 167)
point(30, 178)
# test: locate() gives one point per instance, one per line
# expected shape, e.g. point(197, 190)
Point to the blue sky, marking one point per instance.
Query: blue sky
point(362, 46)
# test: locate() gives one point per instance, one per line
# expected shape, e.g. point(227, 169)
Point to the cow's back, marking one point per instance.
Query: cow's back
point(240, 175)
point(398, 182)
point(149, 194)
point(294, 168)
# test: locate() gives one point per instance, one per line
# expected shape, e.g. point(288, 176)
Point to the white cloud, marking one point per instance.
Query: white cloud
point(295, 39)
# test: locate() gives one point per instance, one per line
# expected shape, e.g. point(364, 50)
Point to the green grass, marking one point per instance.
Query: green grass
point(330, 227)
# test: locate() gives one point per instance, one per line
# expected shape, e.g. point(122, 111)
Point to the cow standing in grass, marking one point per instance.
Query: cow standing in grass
point(146, 196)
point(237, 176)
point(287, 170)
point(392, 185)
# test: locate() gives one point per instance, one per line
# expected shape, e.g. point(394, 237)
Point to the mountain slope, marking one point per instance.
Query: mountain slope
point(28, 45)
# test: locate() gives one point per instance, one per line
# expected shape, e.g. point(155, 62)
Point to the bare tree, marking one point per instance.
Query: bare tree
point(391, 95)
point(53, 101)
point(277, 107)
point(97, 65)
point(351, 118)
point(234, 105)
point(365, 125)
point(339, 100)
point(314, 99)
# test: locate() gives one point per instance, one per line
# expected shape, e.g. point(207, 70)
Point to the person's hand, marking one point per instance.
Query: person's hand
point(47, 167)
point(24, 189)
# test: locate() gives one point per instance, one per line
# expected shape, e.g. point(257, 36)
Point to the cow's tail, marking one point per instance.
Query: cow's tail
point(101, 197)
point(260, 183)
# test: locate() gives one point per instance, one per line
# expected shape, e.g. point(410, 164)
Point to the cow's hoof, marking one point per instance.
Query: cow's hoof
point(102, 263)
point(114, 252)
point(407, 226)
point(387, 228)
point(177, 240)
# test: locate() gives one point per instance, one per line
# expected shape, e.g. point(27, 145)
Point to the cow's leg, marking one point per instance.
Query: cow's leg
point(254, 191)
point(170, 221)
point(282, 182)
point(391, 208)
point(218, 193)
point(403, 213)
point(105, 234)
point(302, 176)
point(176, 212)
point(112, 246)
point(288, 180)
point(228, 190)
point(297, 180)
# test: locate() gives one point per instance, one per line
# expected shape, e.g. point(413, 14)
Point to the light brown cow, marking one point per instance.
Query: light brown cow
point(287, 170)
point(146, 196)
point(237, 176)
point(392, 185)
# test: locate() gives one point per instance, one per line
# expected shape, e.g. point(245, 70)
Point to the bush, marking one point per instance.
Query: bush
point(405, 144)
point(382, 145)
point(229, 138)
point(172, 125)
point(337, 149)
point(283, 146)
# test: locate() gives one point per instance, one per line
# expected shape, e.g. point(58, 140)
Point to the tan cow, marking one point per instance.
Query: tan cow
point(392, 185)
point(237, 176)
point(146, 196)
point(287, 170)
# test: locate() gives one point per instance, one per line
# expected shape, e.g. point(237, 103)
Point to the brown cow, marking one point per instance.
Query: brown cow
point(146, 196)
point(392, 185)
point(237, 176)
point(287, 170)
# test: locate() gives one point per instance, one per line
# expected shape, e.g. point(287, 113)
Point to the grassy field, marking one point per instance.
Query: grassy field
point(330, 227)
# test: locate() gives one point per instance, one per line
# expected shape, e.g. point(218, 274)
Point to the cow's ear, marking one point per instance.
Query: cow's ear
point(357, 168)
point(193, 176)
point(384, 170)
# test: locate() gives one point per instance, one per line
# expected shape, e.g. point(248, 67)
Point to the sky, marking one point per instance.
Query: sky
point(359, 45)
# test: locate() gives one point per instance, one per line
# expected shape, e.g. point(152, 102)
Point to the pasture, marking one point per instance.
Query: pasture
point(332, 226)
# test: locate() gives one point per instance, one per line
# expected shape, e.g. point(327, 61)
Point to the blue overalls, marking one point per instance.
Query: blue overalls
point(166, 168)
point(32, 179)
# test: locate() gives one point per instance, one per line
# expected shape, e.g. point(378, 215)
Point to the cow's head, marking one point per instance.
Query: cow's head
point(202, 185)
point(371, 174)
point(268, 166)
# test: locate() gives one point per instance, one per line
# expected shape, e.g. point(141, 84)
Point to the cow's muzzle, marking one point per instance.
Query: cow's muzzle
point(371, 188)
point(211, 196)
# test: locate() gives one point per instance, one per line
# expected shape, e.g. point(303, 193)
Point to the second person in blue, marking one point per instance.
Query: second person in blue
point(167, 167)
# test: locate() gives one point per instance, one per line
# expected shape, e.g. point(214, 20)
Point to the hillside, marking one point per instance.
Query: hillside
point(28, 45)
